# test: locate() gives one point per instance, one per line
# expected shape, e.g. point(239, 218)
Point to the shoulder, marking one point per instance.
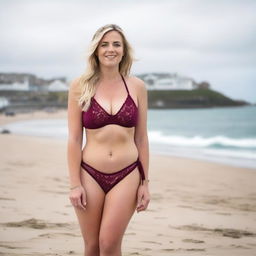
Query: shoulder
point(137, 83)
point(74, 83)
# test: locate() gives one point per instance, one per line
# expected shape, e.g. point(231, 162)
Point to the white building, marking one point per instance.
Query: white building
point(168, 82)
point(15, 86)
point(4, 102)
point(57, 86)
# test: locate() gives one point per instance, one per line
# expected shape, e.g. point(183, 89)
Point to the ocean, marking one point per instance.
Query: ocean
point(224, 135)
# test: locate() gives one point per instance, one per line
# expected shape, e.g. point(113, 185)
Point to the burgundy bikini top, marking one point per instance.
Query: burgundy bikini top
point(96, 116)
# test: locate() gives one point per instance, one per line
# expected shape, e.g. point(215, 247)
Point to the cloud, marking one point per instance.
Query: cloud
point(206, 40)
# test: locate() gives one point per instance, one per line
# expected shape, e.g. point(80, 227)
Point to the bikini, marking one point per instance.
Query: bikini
point(96, 117)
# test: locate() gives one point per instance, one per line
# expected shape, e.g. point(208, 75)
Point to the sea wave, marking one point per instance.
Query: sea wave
point(219, 148)
point(199, 141)
point(46, 128)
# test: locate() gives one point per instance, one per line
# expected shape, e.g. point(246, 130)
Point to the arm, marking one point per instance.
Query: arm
point(74, 150)
point(141, 141)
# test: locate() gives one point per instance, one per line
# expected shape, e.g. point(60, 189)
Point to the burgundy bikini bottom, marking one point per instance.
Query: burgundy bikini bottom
point(108, 180)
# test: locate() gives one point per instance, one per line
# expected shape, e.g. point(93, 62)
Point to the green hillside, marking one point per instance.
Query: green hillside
point(189, 99)
point(197, 98)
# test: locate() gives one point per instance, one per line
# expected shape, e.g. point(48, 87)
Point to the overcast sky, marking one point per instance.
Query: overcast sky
point(207, 40)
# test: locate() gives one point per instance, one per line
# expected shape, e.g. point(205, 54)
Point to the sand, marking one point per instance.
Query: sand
point(196, 208)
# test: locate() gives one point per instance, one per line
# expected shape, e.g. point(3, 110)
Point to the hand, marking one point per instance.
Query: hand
point(77, 197)
point(143, 198)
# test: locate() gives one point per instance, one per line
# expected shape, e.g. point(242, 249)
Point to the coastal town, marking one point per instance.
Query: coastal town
point(24, 91)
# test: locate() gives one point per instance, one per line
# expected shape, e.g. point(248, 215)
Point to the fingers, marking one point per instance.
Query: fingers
point(78, 200)
point(142, 204)
point(80, 204)
point(139, 202)
point(83, 199)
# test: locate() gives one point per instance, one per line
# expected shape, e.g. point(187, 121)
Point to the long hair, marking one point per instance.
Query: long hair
point(88, 80)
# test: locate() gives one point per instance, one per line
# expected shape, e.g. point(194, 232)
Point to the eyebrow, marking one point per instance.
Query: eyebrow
point(113, 42)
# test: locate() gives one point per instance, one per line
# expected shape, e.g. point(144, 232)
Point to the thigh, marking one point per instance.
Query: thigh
point(90, 218)
point(119, 206)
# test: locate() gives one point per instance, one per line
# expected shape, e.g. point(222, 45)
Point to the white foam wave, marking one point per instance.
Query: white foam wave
point(199, 141)
point(48, 128)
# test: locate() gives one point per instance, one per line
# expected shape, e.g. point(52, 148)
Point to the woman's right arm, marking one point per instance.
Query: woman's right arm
point(74, 150)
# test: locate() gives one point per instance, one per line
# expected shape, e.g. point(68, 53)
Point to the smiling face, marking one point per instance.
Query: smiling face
point(110, 49)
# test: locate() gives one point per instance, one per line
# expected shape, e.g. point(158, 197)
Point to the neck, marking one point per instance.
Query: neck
point(109, 74)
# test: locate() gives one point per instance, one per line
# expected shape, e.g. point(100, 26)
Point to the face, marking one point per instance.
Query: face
point(110, 49)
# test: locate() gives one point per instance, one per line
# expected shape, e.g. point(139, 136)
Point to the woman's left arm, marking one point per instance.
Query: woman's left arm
point(141, 141)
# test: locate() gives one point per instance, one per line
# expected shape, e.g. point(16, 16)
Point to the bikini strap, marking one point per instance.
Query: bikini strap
point(141, 169)
point(125, 84)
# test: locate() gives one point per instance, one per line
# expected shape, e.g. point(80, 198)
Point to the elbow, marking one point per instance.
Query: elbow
point(75, 140)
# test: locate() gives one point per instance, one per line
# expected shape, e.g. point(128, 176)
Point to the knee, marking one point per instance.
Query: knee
point(108, 245)
point(92, 248)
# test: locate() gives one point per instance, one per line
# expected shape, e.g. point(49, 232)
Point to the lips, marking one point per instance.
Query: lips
point(110, 57)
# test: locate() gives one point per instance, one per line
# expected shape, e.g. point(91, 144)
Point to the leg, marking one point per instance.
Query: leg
point(119, 206)
point(90, 219)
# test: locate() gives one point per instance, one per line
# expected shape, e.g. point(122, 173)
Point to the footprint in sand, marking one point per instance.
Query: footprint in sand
point(11, 247)
point(54, 235)
point(182, 249)
point(189, 240)
point(130, 234)
point(195, 249)
point(229, 232)
point(36, 224)
point(151, 242)
point(6, 198)
point(147, 249)
point(240, 246)
point(168, 250)
point(224, 213)
point(231, 202)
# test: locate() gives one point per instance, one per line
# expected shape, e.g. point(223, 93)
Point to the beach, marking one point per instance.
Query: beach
point(197, 207)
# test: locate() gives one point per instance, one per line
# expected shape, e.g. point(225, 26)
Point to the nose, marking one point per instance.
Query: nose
point(110, 48)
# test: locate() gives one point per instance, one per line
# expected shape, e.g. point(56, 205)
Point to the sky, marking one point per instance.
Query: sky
point(206, 40)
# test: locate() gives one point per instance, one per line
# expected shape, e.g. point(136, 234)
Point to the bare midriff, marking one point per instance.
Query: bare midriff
point(110, 148)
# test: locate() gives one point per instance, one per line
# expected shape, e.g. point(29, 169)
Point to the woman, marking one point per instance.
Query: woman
point(109, 177)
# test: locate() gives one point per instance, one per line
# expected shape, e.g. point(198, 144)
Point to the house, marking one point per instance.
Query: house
point(57, 86)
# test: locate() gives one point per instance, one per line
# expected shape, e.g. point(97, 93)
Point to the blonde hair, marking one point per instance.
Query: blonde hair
point(88, 80)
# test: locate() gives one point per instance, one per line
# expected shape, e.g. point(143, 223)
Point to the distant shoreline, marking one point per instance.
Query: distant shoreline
point(20, 101)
